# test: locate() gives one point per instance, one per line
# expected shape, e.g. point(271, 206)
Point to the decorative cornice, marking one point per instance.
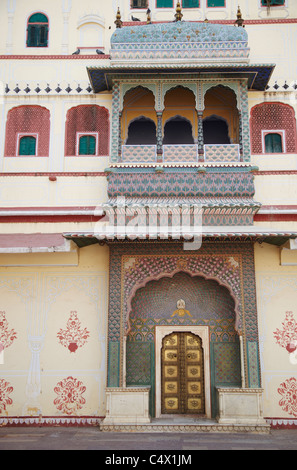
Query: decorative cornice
point(42, 88)
point(54, 57)
point(282, 87)
point(56, 174)
point(231, 22)
point(49, 214)
point(105, 173)
point(275, 172)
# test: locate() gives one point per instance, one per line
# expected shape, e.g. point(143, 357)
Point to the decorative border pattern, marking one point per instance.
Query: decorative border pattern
point(181, 184)
point(282, 423)
point(205, 428)
point(65, 421)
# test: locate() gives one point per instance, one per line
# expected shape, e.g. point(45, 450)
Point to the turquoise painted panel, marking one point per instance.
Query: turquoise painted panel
point(253, 364)
point(113, 364)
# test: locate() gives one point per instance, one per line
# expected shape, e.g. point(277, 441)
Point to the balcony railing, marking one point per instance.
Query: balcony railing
point(139, 153)
point(221, 153)
point(180, 153)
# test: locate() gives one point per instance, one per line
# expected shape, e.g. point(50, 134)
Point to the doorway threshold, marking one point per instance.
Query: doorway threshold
point(185, 424)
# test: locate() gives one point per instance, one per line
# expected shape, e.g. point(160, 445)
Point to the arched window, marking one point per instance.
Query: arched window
point(87, 145)
point(142, 131)
point(278, 120)
point(215, 131)
point(178, 130)
point(37, 31)
point(87, 131)
point(273, 143)
point(27, 131)
point(27, 145)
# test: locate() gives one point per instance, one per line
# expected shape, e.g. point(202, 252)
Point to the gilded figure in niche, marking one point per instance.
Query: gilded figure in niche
point(181, 309)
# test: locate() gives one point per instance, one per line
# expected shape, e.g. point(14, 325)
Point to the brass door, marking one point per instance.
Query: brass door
point(182, 374)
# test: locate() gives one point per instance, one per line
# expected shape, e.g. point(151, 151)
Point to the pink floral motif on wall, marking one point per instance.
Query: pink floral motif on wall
point(288, 391)
point(73, 337)
point(5, 391)
point(69, 400)
point(7, 336)
point(287, 337)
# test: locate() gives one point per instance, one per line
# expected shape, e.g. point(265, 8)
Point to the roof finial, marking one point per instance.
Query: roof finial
point(178, 15)
point(239, 22)
point(118, 22)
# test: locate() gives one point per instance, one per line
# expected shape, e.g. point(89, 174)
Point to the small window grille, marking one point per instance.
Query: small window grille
point(139, 4)
point(27, 145)
point(272, 3)
point(190, 3)
point(164, 3)
point(273, 143)
point(215, 3)
point(87, 145)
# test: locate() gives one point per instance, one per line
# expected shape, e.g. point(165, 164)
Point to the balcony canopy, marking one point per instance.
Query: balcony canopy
point(180, 41)
point(178, 32)
point(180, 47)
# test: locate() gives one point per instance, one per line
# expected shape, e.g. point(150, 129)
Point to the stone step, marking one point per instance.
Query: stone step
point(186, 426)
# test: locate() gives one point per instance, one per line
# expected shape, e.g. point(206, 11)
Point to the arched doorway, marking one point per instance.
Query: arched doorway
point(182, 374)
point(209, 314)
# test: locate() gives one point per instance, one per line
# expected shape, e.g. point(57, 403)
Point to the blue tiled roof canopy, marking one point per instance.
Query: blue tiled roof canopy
point(180, 47)
point(178, 32)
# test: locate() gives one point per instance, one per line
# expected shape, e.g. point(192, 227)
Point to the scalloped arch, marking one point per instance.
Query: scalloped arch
point(145, 281)
point(167, 87)
point(131, 86)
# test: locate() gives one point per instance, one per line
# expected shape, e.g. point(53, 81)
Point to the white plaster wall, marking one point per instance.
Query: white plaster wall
point(276, 295)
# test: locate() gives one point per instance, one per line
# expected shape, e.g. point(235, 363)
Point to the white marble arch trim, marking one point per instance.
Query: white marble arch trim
point(203, 333)
point(125, 87)
point(234, 86)
point(183, 84)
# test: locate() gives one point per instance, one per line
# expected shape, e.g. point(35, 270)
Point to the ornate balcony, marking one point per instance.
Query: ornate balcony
point(185, 153)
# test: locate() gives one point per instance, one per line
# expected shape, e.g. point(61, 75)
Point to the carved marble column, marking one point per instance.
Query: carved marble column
point(245, 126)
point(240, 135)
point(115, 122)
point(120, 134)
point(159, 135)
point(200, 135)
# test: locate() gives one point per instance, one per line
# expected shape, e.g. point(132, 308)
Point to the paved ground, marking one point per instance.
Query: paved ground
point(90, 438)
